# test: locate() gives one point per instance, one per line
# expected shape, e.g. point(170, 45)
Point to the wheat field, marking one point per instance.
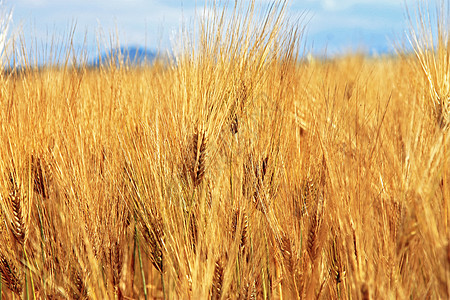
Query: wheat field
point(235, 170)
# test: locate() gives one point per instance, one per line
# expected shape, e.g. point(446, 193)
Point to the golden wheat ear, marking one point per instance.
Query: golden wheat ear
point(17, 223)
point(10, 275)
point(240, 221)
point(217, 280)
point(78, 289)
point(234, 124)
point(337, 267)
point(287, 249)
point(365, 295)
point(254, 181)
point(313, 236)
point(40, 173)
point(194, 165)
point(153, 233)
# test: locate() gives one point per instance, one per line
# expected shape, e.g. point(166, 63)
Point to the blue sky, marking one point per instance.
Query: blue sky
point(338, 25)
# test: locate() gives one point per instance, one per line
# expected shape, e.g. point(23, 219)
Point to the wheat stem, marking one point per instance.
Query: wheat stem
point(231, 171)
point(163, 286)
point(41, 228)
point(445, 188)
point(26, 296)
point(31, 276)
point(140, 263)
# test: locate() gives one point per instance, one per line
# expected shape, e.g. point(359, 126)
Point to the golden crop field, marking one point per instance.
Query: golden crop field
point(235, 170)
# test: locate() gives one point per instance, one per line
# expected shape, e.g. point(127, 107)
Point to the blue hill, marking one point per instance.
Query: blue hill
point(136, 56)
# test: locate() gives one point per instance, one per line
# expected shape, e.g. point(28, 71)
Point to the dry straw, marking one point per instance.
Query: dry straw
point(432, 49)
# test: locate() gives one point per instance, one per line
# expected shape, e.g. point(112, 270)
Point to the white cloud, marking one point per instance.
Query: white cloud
point(334, 5)
point(30, 2)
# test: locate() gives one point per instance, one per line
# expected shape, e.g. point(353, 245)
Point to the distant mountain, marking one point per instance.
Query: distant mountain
point(136, 56)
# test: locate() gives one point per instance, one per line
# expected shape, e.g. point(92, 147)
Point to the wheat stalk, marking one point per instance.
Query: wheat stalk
point(433, 54)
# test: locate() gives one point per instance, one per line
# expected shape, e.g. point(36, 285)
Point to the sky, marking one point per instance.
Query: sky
point(334, 25)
